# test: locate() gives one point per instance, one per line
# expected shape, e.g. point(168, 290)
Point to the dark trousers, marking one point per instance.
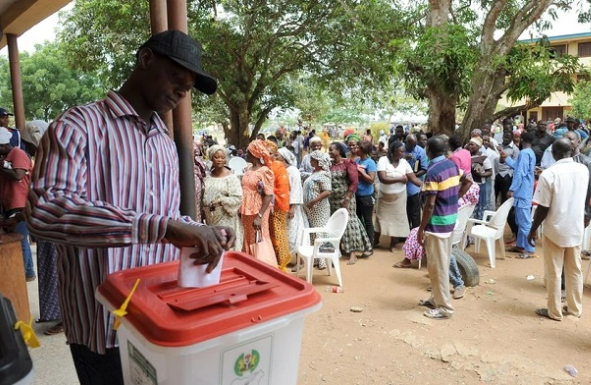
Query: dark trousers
point(97, 369)
point(365, 213)
point(413, 210)
point(502, 184)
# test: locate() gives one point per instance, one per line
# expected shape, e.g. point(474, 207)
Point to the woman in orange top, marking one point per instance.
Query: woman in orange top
point(278, 221)
point(257, 194)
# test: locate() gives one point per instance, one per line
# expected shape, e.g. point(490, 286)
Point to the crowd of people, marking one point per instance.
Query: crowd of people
point(104, 195)
point(383, 185)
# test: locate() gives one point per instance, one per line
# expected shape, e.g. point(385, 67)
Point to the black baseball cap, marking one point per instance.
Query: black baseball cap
point(4, 112)
point(184, 50)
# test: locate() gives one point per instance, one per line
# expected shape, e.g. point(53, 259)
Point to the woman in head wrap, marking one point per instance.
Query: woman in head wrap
point(257, 190)
point(297, 220)
point(47, 256)
point(317, 189)
point(278, 222)
point(344, 179)
point(222, 195)
point(306, 168)
point(393, 172)
point(199, 170)
point(352, 141)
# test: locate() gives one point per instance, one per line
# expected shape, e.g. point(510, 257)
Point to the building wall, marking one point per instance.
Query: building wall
point(558, 102)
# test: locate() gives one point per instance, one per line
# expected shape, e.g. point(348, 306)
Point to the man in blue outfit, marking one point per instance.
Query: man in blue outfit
point(417, 158)
point(522, 190)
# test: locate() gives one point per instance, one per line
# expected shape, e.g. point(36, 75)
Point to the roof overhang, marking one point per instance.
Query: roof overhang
point(18, 16)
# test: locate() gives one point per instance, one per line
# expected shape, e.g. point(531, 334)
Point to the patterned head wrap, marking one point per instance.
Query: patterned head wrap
point(354, 136)
point(476, 132)
point(315, 139)
point(258, 149)
point(322, 158)
point(271, 146)
point(288, 156)
point(213, 149)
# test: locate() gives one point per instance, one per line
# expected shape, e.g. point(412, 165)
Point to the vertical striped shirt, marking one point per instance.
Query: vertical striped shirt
point(443, 179)
point(104, 186)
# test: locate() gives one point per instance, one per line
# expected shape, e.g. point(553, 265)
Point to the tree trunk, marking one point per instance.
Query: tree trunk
point(487, 87)
point(442, 112)
point(238, 132)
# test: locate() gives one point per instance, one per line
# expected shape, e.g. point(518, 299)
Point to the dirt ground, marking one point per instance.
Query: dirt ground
point(494, 336)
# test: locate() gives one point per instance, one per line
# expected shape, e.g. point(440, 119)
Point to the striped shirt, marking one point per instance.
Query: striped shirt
point(103, 189)
point(443, 179)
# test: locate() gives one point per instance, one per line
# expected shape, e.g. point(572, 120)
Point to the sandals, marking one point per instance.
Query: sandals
point(585, 254)
point(366, 254)
point(400, 265)
point(526, 256)
point(55, 329)
point(544, 313)
point(427, 303)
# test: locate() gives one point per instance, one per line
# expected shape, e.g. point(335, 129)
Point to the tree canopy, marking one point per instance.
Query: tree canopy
point(251, 47)
point(467, 52)
point(49, 86)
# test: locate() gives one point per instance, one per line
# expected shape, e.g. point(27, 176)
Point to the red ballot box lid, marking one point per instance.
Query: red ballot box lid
point(249, 292)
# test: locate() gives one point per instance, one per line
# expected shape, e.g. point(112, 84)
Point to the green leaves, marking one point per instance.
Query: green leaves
point(581, 100)
point(49, 86)
point(442, 57)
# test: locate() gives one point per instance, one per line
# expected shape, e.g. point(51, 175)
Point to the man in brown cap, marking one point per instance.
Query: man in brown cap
point(105, 189)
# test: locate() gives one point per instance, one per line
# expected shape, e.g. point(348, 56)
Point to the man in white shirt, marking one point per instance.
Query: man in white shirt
point(561, 197)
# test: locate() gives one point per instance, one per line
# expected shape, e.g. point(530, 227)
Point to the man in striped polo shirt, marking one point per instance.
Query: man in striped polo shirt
point(444, 185)
point(105, 190)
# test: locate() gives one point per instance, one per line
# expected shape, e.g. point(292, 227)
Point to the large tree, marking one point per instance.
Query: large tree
point(251, 47)
point(467, 51)
point(49, 86)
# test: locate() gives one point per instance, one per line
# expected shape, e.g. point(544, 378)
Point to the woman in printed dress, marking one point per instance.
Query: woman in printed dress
point(257, 189)
point(317, 190)
point(222, 195)
point(344, 180)
point(297, 220)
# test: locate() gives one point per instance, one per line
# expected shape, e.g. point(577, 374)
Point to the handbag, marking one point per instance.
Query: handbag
point(263, 251)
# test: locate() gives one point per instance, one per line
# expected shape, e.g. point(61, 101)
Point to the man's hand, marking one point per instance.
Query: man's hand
point(509, 194)
point(586, 221)
point(210, 241)
point(291, 213)
point(311, 204)
point(531, 238)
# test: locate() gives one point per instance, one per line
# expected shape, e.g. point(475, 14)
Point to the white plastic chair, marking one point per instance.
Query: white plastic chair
point(332, 233)
point(237, 165)
point(491, 230)
point(540, 230)
point(464, 213)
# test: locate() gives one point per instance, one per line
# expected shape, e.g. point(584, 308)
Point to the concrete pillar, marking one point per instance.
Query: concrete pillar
point(181, 118)
point(159, 23)
point(15, 78)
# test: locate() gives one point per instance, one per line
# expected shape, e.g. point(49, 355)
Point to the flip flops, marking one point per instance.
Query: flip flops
point(55, 329)
point(427, 303)
point(400, 265)
point(526, 256)
point(544, 313)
